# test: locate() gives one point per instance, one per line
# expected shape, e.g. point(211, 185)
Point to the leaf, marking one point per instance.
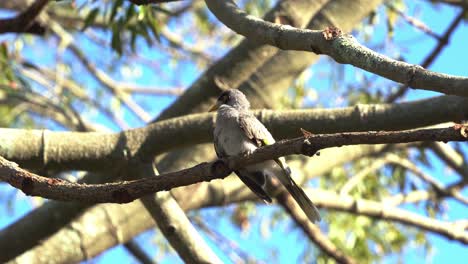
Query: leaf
point(152, 23)
point(90, 18)
point(114, 10)
point(116, 42)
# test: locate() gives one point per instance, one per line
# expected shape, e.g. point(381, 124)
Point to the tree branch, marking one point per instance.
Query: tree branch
point(450, 230)
point(147, 2)
point(459, 3)
point(452, 158)
point(237, 66)
point(124, 229)
point(111, 85)
point(342, 48)
point(313, 232)
point(139, 253)
point(437, 186)
point(442, 42)
point(173, 222)
point(24, 22)
point(47, 149)
point(125, 192)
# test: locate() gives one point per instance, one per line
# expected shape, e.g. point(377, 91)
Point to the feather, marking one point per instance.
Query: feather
point(298, 194)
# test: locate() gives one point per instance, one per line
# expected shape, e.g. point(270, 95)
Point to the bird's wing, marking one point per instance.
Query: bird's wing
point(255, 130)
point(256, 183)
point(258, 133)
point(218, 148)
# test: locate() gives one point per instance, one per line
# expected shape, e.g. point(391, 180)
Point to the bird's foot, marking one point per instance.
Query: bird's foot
point(247, 153)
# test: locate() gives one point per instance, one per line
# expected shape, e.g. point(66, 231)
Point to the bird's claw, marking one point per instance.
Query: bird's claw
point(247, 153)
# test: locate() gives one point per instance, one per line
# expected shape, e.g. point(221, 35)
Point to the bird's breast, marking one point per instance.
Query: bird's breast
point(232, 139)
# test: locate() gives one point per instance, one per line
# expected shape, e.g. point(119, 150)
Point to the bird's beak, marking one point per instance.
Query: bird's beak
point(214, 108)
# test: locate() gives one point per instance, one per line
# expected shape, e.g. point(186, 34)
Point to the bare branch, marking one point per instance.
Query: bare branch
point(24, 22)
point(450, 230)
point(420, 195)
point(43, 76)
point(413, 22)
point(230, 247)
point(358, 177)
point(452, 158)
point(459, 3)
point(131, 88)
point(236, 67)
point(125, 192)
point(101, 150)
point(173, 222)
point(342, 48)
point(442, 42)
point(436, 185)
point(147, 2)
point(313, 232)
point(142, 221)
point(111, 85)
point(23, 234)
point(138, 252)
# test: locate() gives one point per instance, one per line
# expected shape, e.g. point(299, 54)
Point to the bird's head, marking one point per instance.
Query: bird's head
point(233, 98)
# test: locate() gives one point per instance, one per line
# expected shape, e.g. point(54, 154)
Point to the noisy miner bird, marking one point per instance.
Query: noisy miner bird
point(236, 132)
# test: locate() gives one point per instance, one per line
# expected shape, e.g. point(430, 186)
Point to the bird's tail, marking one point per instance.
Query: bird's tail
point(297, 193)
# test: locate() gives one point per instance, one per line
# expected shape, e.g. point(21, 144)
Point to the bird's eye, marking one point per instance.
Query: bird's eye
point(224, 98)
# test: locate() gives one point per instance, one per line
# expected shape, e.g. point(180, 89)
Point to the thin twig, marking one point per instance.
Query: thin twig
point(112, 86)
point(451, 157)
point(414, 22)
point(147, 2)
point(138, 252)
point(442, 42)
point(358, 177)
point(313, 232)
point(329, 200)
point(436, 185)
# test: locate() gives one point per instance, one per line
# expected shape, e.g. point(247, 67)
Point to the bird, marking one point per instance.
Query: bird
point(238, 132)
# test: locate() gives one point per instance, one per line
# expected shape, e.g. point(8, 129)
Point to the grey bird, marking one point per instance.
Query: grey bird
point(237, 132)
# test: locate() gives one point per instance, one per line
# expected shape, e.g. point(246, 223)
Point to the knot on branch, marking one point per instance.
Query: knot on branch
point(463, 129)
point(308, 148)
point(220, 169)
point(171, 229)
point(27, 185)
point(331, 33)
point(122, 196)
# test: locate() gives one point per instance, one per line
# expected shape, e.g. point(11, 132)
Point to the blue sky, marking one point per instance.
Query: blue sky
point(286, 236)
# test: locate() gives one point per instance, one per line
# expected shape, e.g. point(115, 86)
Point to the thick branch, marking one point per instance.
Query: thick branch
point(174, 224)
point(125, 192)
point(24, 22)
point(342, 48)
point(23, 234)
point(236, 66)
point(123, 229)
point(94, 151)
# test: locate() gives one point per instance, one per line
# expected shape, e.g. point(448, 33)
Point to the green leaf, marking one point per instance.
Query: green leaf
point(114, 10)
point(116, 41)
point(90, 18)
point(152, 23)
